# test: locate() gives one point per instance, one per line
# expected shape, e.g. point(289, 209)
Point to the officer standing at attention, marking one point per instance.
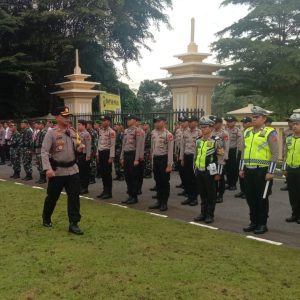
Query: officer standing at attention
point(246, 122)
point(209, 155)
point(84, 157)
point(286, 133)
point(38, 146)
point(119, 138)
point(132, 149)
point(258, 164)
point(59, 161)
point(187, 151)
point(232, 166)
point(105, 156)
point(26, 149)
point(147, 155)
point(15, 150)
point(94, 144)
point(292, 168)
point(162, 144)
point(178, 140)
point(223, 134)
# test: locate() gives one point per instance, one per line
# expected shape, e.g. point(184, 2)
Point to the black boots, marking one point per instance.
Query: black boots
point(15, 176)
point(27, 177)
point(42, 179)
point(74, 228)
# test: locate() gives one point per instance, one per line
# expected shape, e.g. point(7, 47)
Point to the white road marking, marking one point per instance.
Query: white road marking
point(37, 187)
point(2, 180)
point(118, 205)
point(157, 215)
point(205, 226)
point(263, 240)
point(19, 183)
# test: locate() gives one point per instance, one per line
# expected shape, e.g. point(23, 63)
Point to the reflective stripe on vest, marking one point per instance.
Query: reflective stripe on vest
point(204, 148)
point(257, 151)
point(293, 151)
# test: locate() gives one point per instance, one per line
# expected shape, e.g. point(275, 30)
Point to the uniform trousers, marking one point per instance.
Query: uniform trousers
point(84, 170)
point(55, 186)
point(131, 173)
point(162, 178)
point(293, 183)
point(105, 171)
point(232, 167)
point(189, 177)
point(221, 183)
point(255, 184)
point(207, 190)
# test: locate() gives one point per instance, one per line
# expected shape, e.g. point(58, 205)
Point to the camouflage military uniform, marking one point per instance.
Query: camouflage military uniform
point(37, 146)
point(147, 156)
point(118, 168)
point(15, 153)
point(26, 151)
point(93, 163)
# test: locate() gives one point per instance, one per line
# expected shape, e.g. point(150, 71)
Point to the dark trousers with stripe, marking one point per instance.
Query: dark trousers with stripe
point(189, 177)
point(255, 184)
point(131, 173)
point(105, 170)
point(293, 182)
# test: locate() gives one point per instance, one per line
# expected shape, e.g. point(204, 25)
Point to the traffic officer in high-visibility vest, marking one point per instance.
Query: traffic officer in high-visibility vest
point(292, 168)
point(208, 165)
point(257, 167)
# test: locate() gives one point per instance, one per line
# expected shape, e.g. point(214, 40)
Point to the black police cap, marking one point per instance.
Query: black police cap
point(246, 120)
point(62, 110)
point(132, 117)
point(105, 118)
point(193, 119)
point(159, 118)
point(230, 119)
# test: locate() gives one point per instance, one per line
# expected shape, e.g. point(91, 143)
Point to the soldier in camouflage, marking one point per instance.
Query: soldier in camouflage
point(15, 151)
point(118, 148)
point(93, 165)
point(26, 149)
point(147, 155)
point(38, 141)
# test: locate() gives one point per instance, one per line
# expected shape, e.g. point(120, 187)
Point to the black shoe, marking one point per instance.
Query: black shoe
point(251, 227)
point(291, 219)
point(126, 201)
point(12, 176)
point(163, 207)
point(73, 228)
point(156, 205)
point(154, 197)
point(186, 201)
point(100, 196)
point(209, 220)
point(154, 189)
point(180, 186)
point(47, 224)
point(219, 200)
point(261, 229)
point(92, 181)
point(284, 188)
point(193, 202)
point(139, 192)
point(239, 195)
point(183, 193)
point(28, 177)
point(106, 196)
point(244, 196)
point(17, 176)
point(133, 200)
point(116, 178)
point(200, 218)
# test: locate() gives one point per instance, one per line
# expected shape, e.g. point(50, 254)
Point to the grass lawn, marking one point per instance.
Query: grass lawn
point(128, 254)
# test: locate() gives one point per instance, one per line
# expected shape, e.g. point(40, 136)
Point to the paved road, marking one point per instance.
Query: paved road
point(232, 215)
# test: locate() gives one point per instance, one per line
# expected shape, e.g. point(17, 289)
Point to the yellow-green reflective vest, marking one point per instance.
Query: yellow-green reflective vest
point(257, 151)
point(293, 151)
point(205, 150)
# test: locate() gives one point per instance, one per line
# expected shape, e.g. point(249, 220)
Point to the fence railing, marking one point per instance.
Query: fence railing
point(172, 116)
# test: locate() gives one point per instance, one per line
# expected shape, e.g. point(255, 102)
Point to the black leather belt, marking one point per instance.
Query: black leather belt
point(55, 164)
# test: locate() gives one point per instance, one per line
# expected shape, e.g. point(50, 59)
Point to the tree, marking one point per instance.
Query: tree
point(154, 97)
point(262, 53)
point(38, 39)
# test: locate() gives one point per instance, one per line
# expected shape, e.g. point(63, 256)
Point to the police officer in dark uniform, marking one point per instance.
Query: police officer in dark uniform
point(59, 162)
point(162, 143)
point(132, 151)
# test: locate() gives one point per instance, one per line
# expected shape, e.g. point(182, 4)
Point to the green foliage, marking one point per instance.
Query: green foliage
point(38, 42)
point(262, 53)
point(154, 97)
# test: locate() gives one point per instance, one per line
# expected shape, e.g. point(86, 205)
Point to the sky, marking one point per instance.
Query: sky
point(209, 17)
